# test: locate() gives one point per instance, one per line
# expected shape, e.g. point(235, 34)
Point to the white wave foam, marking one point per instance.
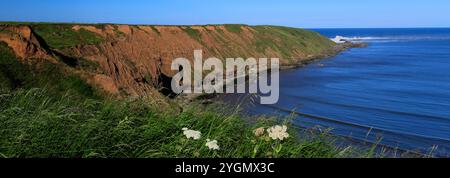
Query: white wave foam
point(343, 39)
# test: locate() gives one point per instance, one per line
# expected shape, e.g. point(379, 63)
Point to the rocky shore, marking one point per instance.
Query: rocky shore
point(338, 48)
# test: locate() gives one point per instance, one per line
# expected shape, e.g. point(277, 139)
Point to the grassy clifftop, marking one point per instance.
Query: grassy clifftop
point(220, 40)
point(63, 36)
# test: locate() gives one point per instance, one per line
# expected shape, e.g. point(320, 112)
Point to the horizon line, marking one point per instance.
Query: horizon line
point(149, 24)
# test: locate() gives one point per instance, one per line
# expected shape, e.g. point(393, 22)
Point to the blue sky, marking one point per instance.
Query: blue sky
point(295, 13)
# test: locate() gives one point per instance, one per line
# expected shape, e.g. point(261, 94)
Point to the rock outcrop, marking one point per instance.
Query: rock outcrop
point(24, 42)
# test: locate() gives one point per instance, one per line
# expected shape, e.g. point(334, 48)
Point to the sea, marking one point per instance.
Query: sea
point(395, 93)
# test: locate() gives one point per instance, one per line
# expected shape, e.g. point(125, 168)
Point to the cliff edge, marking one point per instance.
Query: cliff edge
point(134, 60)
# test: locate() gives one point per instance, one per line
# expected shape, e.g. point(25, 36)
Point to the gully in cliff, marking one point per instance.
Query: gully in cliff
point(237, 69)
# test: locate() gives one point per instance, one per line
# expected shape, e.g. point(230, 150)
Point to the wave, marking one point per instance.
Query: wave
point(342, 39)
point(356, 125)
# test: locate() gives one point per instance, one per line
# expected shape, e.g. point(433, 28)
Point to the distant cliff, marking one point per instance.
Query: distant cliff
point(133, 60)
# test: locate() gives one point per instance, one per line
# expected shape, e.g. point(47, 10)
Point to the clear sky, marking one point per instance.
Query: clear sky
point(295, 13)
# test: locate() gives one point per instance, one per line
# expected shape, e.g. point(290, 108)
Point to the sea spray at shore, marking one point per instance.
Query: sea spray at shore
point(357, 39)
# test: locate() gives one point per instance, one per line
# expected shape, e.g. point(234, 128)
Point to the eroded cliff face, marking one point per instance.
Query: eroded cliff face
point(24, 43)
point(133, 60)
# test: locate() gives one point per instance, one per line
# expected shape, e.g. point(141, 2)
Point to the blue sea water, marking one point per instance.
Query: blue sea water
point(395, 92)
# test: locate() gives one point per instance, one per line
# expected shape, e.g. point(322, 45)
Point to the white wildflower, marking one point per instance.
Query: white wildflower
point(212, 144)
point(192, 133)
point(278, 132)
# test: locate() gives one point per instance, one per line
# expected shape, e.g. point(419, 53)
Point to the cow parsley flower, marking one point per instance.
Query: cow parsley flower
point(212, 144)
point(192, 133)
point(278, 132)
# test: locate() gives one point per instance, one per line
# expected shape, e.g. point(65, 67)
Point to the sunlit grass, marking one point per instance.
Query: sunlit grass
point(38, 124)
point(63, 36)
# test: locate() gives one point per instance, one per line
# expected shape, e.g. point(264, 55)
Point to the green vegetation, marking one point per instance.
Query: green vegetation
point(12, 72)
point(3, 30)
point(287, 40)
point(47, 111)
point(87, 65)
point(15, 75)
point(73, 61)
point(155, 30)
point(235, 28)
point(63, 36)
point(67, 120)
point(37, 124)
point(220, 31)
point(118, 32)
point(193, 33)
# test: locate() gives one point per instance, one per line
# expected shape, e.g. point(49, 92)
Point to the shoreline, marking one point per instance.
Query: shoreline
point(339, 48)
point(205, 98)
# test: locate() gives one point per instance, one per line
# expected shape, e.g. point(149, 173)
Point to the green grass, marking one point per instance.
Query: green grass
point(235, 28)
point(155, 30)
point(193, 33)
point(118, 32)
point(286, 40)
point(3, 30)
point(220, 31)
point(15, 75)
point(12, 72)
point(87, 65)
point(68, 120)
point(37, 124)
point(63, 36)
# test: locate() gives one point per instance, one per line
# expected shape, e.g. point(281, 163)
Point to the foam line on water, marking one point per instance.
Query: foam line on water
point(390, 38)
